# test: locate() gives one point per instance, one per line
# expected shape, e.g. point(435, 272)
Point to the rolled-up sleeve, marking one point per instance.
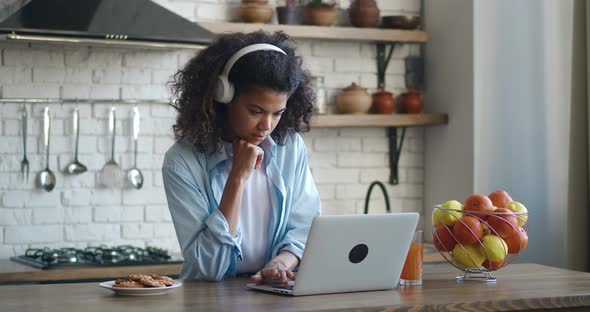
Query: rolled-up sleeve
point(208, 248)
point(305, 205)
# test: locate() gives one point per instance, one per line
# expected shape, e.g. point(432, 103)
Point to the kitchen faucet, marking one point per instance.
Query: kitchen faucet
point(368, 196)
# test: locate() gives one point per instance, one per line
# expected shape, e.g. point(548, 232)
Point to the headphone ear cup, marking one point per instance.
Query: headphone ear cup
point(229, 91)
point(224, 90)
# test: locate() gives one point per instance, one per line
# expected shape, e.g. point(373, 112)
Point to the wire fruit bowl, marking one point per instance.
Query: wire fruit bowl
point(478, 242)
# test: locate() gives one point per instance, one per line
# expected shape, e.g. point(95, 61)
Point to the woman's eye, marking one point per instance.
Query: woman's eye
point(255, 112)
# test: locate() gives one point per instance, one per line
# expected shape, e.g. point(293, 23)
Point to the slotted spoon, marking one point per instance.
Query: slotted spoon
point(111, 173)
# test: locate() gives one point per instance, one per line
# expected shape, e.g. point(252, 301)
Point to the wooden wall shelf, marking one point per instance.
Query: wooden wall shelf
point(324, 33)
point(394, 120)
point(382, 38)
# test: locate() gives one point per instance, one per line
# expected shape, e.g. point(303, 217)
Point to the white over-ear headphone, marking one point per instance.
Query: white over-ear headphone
point(224, 90)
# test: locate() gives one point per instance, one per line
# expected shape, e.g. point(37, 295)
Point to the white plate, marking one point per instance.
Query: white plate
point(148, 291)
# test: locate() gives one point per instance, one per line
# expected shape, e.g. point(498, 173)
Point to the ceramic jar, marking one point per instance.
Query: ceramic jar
point(383, 102)
point(254, 1)
point(288, 15)
point(322, 14)
point(411, 102)
point(364, 13)
point(354, 100)
point(255, 11)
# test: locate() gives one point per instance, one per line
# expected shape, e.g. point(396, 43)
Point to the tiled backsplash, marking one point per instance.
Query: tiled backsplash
point(79, 211)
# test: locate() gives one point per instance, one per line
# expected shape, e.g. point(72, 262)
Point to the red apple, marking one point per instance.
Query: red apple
point(478, 203)
point(467, 230)
point(517, 242)
point(492, 266)
point(504, 224)
point(500, 198)
point(443, 239)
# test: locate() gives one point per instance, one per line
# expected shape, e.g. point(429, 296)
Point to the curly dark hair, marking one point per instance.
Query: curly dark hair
point(201, 120)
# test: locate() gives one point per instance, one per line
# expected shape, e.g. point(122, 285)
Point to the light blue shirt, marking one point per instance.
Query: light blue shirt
point(194, 183)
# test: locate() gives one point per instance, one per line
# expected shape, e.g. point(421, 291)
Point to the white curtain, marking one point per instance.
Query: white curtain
point(518, 120)
point(525, 141)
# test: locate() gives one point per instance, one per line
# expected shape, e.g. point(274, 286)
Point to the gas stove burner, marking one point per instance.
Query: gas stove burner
point(97, 256)
point(64, 255)
point(158, 252)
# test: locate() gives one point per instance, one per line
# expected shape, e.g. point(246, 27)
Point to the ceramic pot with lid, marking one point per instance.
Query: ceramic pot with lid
point(255, 11)
point(411, 102)
point(354, 100)
point(320, 14)
point(383, 102)
point(364, 13)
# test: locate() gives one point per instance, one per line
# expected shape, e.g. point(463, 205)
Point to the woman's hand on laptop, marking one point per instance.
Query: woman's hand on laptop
point(278, 269)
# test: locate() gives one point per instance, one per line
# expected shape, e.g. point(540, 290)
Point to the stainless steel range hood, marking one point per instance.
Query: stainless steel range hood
point(121, 23)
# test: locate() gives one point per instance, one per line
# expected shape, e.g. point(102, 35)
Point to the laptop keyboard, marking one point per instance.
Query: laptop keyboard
point(288, 287)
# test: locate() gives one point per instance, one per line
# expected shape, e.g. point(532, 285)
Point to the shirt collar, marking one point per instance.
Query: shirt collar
point(219, 154)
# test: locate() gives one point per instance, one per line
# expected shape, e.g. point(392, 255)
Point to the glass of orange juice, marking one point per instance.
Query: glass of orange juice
point(412, 271)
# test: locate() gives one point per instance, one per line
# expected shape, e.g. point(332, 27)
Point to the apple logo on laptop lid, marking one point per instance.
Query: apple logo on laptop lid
point(358, 253)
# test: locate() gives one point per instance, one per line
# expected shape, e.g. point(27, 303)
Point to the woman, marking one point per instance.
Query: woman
point(237, 180)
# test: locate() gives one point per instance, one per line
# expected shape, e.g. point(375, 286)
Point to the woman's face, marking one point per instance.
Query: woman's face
point(254, 115)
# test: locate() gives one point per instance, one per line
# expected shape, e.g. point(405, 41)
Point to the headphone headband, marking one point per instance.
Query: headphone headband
point(245, 50)
point(224, 91)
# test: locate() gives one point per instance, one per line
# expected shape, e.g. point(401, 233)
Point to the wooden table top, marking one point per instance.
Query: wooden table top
point(518, 287)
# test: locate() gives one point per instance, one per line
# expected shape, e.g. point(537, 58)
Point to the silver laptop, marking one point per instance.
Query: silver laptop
point(351, 253)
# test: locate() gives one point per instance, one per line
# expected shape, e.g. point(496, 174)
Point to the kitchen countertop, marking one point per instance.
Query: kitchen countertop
point(518, 287)
point(13, 272)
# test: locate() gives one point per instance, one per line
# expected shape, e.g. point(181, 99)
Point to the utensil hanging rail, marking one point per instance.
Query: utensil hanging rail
point(83, 101)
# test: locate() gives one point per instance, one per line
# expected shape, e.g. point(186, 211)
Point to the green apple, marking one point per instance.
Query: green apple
point(448, 217)
point(470, 258)
point(518, 207)
point(494, 248)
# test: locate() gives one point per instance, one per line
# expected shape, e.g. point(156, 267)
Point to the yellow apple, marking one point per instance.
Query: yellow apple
point(485, 228)
point(518, 207)
point(448, 217)
point(494, 248)
point(470, 258)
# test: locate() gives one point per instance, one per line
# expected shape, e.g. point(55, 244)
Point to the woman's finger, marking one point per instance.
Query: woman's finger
point(257, 278)
point(268, 274)
point(291, 275)
point(259, 157)
point(283, 277)
point(275, 274)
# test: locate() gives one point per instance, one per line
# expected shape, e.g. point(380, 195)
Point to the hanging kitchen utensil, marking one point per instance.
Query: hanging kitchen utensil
point(75, 167)
point(134, 174)
point(24, 164)
point(111, 173)
point(46, 179)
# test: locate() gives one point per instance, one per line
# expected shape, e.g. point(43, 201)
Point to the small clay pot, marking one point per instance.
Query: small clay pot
point(322, 14)
point(255, 13)
point(364, 13)
point(383, 102)
point(411, 102)
point(354, 100)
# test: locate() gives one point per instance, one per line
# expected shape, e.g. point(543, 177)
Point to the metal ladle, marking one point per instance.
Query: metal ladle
point(134, 175)
point(75, 167)
point(46, 178)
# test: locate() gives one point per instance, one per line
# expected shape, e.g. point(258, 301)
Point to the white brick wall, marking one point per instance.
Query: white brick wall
point(79, 212)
